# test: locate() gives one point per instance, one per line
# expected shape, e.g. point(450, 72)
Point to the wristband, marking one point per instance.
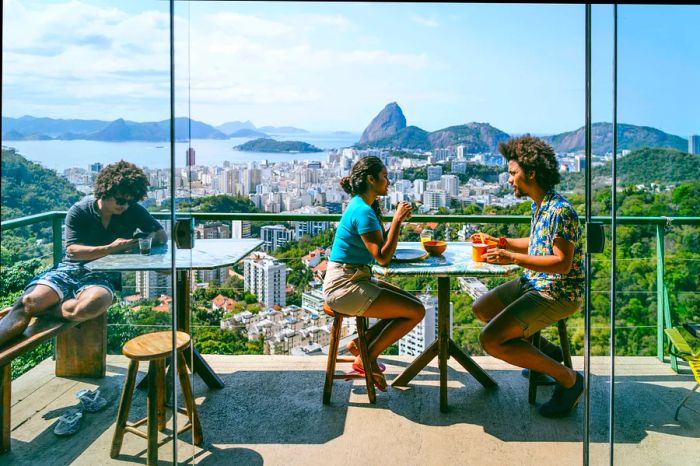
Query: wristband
point(502, 242)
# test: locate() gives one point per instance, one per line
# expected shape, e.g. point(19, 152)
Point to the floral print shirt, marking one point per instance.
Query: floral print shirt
point(556, 218)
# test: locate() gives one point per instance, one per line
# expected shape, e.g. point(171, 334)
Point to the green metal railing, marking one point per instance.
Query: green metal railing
point(663, 312)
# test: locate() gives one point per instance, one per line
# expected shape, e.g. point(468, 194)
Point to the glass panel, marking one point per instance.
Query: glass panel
point(601, 154)
point(659, 56)
point(85, 86)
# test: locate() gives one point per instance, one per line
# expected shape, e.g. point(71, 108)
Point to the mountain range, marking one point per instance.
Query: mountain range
point(39, 129)
point(388, 129)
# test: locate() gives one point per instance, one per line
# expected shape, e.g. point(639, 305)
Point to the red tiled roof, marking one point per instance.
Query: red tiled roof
point(321, 267)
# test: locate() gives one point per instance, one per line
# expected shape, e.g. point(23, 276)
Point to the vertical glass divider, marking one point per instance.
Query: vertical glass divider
point(587, 293)
point(173, 264)
point(613, 247)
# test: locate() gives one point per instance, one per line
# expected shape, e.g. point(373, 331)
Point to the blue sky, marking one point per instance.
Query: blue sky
point(325, 66)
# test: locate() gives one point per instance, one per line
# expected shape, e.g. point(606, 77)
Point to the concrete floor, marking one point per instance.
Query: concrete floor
point(270, 412)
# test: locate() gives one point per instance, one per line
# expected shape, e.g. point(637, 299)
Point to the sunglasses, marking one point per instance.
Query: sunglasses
point(124, 201)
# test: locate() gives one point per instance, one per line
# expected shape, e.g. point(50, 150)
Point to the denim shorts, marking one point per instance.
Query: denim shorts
point(69, 280)
point(534, 310)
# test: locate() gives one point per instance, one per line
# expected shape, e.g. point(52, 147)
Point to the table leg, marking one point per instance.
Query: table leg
point(472, 367)
point(443, 336)
point(416, 366)
point(198, 365)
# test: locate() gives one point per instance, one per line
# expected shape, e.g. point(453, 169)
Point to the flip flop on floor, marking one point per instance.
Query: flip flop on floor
point(68, 423)
point(375, 375)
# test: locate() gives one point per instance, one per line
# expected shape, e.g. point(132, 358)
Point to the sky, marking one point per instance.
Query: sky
point(334, 66)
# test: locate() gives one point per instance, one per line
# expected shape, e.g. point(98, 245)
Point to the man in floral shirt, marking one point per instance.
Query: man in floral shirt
point(550, 289)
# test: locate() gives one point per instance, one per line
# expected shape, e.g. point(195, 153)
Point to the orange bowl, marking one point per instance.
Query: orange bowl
point(435, 247)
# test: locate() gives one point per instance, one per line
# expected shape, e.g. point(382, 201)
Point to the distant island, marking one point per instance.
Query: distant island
point(247, 133)
point(271, 145)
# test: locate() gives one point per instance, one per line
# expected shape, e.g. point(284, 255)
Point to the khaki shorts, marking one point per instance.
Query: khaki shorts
point(533, 309)
point(350, 289)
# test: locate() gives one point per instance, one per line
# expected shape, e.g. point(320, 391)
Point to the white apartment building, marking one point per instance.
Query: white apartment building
point(433, 199)
point(265, 277)
point(150, 284)
point(419, 187)
point(274, 236)
point(450, 183)
point(241, 229)
point(422, 335)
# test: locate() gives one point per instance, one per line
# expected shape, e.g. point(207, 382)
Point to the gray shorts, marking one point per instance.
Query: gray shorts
point(533, 309)
point(350, 289)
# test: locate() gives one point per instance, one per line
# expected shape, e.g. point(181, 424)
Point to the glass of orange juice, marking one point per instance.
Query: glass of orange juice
point(426, 235)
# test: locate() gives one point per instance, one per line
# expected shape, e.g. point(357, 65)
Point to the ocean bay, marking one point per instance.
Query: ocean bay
point(60, 155)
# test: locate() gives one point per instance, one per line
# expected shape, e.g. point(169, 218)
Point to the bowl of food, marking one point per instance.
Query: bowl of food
point(435, 247)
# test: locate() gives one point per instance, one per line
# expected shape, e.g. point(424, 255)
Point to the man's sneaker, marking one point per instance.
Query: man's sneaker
point(553, 351)
point(68, 423)
point(91, 400)
point(563, 399)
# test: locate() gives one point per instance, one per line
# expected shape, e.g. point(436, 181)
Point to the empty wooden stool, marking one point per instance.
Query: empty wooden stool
point(333, 355)
point(536, 379)
point(155, 348)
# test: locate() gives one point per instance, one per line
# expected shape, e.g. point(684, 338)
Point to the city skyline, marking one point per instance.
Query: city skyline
point(333, 67)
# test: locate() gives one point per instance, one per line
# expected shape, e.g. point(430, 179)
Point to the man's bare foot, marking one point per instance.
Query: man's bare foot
point(13, 324)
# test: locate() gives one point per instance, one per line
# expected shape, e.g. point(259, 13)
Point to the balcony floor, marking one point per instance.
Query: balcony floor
point(270, 412)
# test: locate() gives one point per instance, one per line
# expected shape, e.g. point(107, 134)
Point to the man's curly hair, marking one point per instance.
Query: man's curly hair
point(121, 179)
point(533, 155)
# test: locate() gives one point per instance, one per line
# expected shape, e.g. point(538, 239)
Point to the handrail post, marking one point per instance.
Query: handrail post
point(57, 237)
point(660, 302)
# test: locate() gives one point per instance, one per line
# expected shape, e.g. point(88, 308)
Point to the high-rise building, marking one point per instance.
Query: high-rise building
point(450, 183)
point(579, 163)
point(422, 335)
point(434, 199)
point(459, 167)
point(189, 158)
point(241, 229)
point(694, 144)
point(419, 187)
point(274, 236)
point(96, 167)
point(265, 277)
point(311, 228)
point(434, 172)
point(153, 284)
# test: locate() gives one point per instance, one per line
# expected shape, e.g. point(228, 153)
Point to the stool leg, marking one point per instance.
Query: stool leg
point(564, 340)
point(5, 394)
point(189, 399)
point(152, 409)
point(160, 399)
point(332, 355)
point(364, 354)
point(124, 406)
point(532, 377)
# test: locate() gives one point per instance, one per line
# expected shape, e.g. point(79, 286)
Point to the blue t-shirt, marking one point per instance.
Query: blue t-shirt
point(358, 219)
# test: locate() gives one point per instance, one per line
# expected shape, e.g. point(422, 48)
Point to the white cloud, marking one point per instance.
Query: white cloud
point(79, 57)
point(424, 21)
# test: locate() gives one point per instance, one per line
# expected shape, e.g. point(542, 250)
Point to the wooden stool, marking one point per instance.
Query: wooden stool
point(333, 356)
point(537, 379)
point(155, 348)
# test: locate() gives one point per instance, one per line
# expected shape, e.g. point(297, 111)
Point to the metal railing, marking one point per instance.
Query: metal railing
point(663, 315)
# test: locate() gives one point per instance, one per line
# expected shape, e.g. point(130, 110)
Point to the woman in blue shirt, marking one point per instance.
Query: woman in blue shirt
point(349, 287)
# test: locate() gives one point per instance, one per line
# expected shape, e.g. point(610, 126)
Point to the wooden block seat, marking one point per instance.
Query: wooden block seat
point(89, 360)
point(333, 355)
point(155, 348)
